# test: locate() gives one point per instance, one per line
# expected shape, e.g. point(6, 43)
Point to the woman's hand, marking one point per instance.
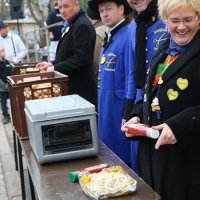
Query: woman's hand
point(134, 120)
point(166, 136)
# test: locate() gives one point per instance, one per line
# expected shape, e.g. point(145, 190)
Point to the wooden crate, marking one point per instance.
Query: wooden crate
point(33, 86)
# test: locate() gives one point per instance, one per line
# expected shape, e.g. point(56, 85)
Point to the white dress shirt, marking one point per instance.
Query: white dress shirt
point(15, 49)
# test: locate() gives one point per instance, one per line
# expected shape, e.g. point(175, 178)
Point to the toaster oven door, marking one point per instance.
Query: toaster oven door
point(68, 136)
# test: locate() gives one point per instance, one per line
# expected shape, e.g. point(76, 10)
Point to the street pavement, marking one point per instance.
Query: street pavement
point(9, 178)
point(3, 190)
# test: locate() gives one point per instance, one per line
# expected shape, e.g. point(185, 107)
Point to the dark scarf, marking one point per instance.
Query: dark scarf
point(143, 21)
point(175, 49)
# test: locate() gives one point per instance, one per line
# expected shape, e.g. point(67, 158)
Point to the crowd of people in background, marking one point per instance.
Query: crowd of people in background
point(12, 51)
point(141, 71)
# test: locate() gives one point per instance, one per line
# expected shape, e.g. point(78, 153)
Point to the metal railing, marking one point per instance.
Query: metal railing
point(38, 43)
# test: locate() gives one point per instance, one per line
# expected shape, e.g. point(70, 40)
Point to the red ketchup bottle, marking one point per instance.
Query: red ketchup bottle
point(142, 130)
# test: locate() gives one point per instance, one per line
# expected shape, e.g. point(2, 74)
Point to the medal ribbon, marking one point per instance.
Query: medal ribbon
point(155, 107)
point(162, 67)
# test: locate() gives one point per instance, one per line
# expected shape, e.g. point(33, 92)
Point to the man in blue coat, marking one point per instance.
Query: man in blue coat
point(113, 75)
point(146, 34)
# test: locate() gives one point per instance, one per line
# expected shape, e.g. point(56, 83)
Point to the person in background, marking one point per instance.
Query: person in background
point(74, 55)
point(54, 32)
point(15, 49)
point(146, 34)
point(5, 70)
point(113, 75)
point(171, 104)
point(100, 29)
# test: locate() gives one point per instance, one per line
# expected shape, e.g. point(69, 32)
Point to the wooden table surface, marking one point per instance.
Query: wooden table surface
point(51, 182)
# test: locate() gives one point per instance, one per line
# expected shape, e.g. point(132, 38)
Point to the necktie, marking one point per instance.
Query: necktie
point(107, 38)
point(64, 26)
point(108, 35)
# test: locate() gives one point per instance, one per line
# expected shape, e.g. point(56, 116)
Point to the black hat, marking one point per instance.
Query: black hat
point(92, 13)
point(3, 24)
point(95, 3)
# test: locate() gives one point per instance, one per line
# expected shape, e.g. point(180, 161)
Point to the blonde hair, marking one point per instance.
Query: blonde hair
point(167, 6)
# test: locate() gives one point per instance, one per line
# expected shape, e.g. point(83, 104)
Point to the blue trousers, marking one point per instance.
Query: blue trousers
point(4, 97)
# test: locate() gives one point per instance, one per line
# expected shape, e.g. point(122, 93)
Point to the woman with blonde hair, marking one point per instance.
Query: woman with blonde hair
point(171, 104)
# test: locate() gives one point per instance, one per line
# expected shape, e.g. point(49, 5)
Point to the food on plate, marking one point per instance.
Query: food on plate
point(110, 182)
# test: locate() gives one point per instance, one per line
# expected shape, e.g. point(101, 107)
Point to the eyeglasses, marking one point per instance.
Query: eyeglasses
point(187, 21)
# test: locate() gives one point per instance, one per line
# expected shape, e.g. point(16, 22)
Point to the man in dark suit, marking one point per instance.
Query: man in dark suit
point(74, 55)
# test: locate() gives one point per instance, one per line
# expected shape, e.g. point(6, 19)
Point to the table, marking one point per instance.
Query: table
point(50, 181)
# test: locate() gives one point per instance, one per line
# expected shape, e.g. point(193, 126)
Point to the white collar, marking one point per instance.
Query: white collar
point(8, 36)
point(110, 29)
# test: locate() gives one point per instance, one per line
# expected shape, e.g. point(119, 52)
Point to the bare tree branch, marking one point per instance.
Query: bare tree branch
point(38, 11)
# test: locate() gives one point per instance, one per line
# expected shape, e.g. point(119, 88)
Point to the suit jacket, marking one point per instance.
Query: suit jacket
point(74, 57)
point(173, 170)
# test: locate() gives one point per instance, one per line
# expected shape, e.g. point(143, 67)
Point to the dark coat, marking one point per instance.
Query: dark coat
point(74, 57)
point(173, 170)
point(5, 70)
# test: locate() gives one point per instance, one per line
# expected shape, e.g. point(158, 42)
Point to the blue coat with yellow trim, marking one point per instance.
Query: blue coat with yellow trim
point(112, 87)
point(156, 35)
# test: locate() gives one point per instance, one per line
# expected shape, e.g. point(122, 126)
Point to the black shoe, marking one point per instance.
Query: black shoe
point(6, 119)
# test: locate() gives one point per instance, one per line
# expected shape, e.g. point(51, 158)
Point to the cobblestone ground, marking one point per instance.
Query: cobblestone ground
point(3, 192)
